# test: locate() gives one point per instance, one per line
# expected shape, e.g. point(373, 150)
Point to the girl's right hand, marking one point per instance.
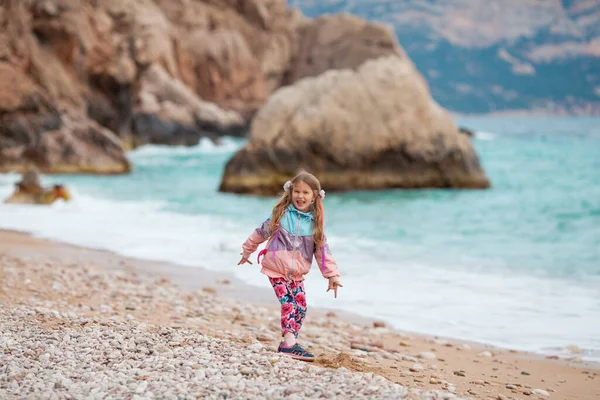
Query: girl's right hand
point(244, 260)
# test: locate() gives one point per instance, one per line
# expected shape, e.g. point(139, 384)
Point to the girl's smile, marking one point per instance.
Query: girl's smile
point(302, 196)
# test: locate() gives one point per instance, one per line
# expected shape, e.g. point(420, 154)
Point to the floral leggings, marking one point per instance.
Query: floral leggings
point(292, 297)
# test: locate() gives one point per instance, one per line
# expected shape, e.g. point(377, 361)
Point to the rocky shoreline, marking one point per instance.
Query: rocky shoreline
point(81, 84)
point(49, 354)
point(75, 75)
point(79, 323)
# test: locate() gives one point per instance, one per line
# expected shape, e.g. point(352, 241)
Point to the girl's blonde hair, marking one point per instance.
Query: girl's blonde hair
point(317, 206)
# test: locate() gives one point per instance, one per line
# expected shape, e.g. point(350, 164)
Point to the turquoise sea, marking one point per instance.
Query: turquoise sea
point(517, 265)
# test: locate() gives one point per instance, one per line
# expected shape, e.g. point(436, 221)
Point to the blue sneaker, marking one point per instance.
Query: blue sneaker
point(296, 352)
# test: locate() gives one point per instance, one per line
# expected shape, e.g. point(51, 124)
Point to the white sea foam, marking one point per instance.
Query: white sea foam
point(205, 146)
point(485, 135)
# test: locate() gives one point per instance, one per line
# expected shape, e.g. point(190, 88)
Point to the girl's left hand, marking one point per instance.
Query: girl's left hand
point(334, 283)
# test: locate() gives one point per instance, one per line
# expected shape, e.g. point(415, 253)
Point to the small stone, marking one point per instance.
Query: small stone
point(426, 355)
point(459, 373)
point(246, 371)
point(484, 354)
point(291, 390)
point(511, 387)
point(264, 338)
point(525, 373)
point(501, 397)
point(371, 390)
point(433, 381)
point(379, 324)
point(416, 368)
point(331, 314)
point(358, 346)
point(574, 349)
point(540, 392)
point(441, 342)
point(256, 347)
point(141, 388)
point(379, 344)
point(479, 382)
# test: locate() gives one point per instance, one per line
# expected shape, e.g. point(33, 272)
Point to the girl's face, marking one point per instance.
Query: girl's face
point(302, 196)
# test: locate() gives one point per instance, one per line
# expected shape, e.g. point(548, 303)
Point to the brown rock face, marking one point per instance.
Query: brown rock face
point(340, 41)
point(171, 113)
point(373, 128)
point(79, 61)
point(33, 132)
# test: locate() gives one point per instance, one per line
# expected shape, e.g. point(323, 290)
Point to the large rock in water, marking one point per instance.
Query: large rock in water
point(371, 128)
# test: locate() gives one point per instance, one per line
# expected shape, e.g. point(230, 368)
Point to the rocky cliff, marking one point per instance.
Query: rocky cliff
point(106, 75)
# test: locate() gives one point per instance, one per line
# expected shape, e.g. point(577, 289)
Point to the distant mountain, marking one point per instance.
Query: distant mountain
point(494, 55)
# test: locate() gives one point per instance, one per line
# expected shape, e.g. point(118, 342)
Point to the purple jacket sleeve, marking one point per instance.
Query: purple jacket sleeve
point(329, 267)
point(259, 235)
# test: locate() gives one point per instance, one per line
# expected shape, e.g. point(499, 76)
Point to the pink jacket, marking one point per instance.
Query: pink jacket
point(291, 249)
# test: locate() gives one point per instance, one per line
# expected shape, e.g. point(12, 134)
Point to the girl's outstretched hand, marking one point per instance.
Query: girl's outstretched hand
point(334, 283)
point(244, 260)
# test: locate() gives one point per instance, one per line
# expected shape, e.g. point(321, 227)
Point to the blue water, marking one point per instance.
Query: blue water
point(517, 265)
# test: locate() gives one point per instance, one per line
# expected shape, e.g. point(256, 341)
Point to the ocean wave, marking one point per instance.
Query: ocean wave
point(485, 135)
point(9, 178)
point(140, 229)
point(205, 146)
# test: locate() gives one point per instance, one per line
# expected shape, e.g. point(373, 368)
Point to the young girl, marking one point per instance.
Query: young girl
point(295, 234)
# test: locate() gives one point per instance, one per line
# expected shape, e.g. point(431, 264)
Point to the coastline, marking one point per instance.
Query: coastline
point(246, 314)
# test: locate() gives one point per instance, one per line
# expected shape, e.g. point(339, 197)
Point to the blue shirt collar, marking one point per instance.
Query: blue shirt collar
point(309, 214)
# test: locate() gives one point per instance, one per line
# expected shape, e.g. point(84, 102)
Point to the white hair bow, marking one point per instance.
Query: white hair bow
point(322, 194)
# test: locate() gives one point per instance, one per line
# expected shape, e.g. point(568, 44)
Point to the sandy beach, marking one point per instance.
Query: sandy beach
point(165, 331)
